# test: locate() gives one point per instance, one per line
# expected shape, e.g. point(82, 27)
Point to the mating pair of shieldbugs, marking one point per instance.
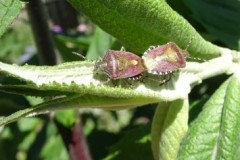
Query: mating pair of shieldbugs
point(160, 60)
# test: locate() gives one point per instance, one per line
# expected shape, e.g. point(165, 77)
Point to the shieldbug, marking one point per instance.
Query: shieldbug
point(120, 64)
point(164, 60)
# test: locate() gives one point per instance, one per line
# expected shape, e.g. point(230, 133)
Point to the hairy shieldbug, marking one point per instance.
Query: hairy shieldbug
point(120, 64)
point(164, 59)
point(159, 60)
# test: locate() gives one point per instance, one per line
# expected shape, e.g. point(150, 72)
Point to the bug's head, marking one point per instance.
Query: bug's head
point(100, 65)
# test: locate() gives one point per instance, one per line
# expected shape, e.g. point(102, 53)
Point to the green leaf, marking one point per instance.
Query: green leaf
point(100, 43)
point(140, 24)
point(169, 126)
point(135, 145)
point(66, 118)
point(220, 18)
point(53, 146)
point(76, 83)
point(78, 101)
point(17, 138)
point(10, 103)
point(79, 77)
point(80, 43)
point(30, 90)
point(9, 10)
point(17, 44)
point(215, 133)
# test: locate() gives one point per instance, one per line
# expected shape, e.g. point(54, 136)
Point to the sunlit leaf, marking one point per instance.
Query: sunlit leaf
point(215, 133)
point(9, 10)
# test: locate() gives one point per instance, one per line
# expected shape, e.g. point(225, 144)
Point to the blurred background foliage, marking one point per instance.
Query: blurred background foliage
point(110, 135)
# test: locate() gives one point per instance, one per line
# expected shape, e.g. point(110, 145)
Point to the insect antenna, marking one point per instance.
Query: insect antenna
point(189, 58)
point(80, 55)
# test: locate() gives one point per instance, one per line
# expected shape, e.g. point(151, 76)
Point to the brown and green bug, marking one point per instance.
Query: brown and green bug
point(163, 60)
point(160, 60)
point(120, 64)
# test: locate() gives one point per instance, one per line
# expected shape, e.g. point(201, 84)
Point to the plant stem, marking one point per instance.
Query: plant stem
point(222, 65)
point(42, 35)
point(62, 14)
point(74, 141)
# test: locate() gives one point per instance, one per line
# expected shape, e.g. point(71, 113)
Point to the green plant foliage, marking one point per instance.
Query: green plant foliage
point(53, 148)
point(14, 52)
point(9, 10)
point(224, 26)
point(149, 22)
point(214, 134)
point(135, 144)
point(81, 87)
point(75, 77)
point(66, 118)
point(73, 88)
point(169, 126)
point(77, 43)
point(22, 134)
point(12, 103)
point(101, 42)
